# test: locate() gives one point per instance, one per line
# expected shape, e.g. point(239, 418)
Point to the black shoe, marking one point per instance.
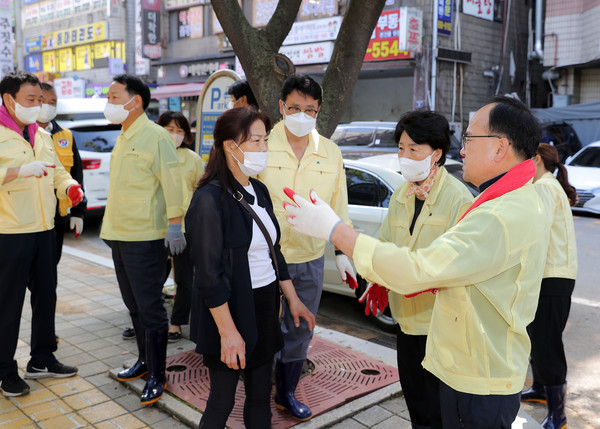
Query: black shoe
point(535, 393)
point(128, 334)
point(13, 385)
point(55, 369)
point(156, 352)
point(135, 371)
point(174, 337)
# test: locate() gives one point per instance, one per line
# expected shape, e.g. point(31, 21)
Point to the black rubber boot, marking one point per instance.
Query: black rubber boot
point(138, 369)
point(535, 393)
point(557, 398)
point(156, 353)
point(287, 376)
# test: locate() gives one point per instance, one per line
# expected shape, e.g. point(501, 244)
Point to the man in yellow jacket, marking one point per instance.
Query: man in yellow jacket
point(487, 268)
point(301, 158)
point(30, 172)
point(143, 215)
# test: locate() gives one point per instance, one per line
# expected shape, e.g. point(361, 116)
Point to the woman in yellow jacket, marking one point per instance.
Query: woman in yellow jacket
point(422, 209)
point(192, 168)
point(548, 361)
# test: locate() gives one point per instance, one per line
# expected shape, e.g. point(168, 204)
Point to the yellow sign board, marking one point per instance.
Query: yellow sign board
point(66, 60)
point(84, 56)
point(88, 33)
point(50, 62)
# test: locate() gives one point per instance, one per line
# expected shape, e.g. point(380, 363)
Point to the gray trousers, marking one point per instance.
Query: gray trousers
point(307, 278)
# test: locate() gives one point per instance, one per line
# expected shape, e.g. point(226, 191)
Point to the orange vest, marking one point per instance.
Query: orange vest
point(63, 146)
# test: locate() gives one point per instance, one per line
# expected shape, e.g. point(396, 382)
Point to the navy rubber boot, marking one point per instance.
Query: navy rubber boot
point(287, 376)
point(536, 393)
point(156, 352)
point(557, 398)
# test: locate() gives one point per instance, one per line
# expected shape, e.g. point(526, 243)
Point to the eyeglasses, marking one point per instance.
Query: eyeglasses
point(293, 110)
point(465, 138)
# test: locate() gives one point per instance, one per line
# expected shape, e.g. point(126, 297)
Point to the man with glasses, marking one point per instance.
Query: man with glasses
point(302, 159)
point(488, 269)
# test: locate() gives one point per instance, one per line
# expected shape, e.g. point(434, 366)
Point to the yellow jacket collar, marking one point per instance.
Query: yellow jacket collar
point(433, 193)
point(137, 124)
point(280, 142)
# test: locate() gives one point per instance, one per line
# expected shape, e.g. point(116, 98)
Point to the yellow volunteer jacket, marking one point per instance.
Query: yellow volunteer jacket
point(192, 169)
point(145, 184)
point(63, 145)
point(488, 268)
point(447, 201)
point(561, 260)
point(322, 169)
point(29, 204)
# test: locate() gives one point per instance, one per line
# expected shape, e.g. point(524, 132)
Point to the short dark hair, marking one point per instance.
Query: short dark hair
point(241, 88)
point(233, 124)
point(11, 83)
point(303, 84)
point(134, 86)
point(47, 87)
point(165, 119)
point(512, 119)
point(425, 127)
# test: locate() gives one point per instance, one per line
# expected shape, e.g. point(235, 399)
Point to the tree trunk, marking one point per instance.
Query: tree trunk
point(266, 70)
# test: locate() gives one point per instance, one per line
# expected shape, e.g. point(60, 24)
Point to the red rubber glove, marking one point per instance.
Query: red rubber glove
point(412, 295)
point(75, 194)
point(351, 281)
point(376, 297)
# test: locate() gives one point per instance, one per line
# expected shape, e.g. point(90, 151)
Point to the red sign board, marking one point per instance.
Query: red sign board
point(383, 45)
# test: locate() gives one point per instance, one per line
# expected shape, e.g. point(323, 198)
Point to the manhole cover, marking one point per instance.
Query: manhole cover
point(339, 375)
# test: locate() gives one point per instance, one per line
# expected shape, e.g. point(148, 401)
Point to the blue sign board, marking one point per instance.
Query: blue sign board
point(33, 63)
point(33, 44)
point(444, 23)
point(175, 104)
point(209, 120)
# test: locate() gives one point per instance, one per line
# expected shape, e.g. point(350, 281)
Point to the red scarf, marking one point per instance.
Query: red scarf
point(7, 121)
point(516, 177)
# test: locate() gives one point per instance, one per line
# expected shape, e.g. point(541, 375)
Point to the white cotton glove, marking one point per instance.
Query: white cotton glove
point(314, 219)
point(35, 168)
point(346, 270)
point(175, 240)
point(76, 223)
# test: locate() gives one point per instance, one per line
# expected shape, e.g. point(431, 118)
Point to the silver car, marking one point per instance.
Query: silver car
point(371, 183)
point(584, 175)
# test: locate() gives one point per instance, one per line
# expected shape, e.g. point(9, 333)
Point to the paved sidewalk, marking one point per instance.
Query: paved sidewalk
point(90, 317)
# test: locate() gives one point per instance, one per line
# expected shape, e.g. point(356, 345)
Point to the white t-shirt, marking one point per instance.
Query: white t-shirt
point(259, 256)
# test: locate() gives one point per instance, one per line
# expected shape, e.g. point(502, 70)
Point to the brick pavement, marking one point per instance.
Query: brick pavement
point(90, 317)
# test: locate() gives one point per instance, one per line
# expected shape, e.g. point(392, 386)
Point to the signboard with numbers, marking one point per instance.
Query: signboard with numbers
point(384, 40)
point(479, 8)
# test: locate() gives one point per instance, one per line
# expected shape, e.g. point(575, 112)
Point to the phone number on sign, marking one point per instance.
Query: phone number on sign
point(380, 50)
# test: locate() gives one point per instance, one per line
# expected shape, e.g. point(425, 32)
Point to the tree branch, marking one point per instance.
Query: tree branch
point(281, 22)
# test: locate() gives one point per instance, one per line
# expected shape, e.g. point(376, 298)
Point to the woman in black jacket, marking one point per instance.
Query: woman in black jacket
point(236, 289)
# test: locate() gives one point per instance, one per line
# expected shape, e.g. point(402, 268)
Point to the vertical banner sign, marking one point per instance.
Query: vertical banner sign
point(151, 29)
point(480, 8)
point(211, 103)
point(444, 24)
point(383, 45)
point(6, 49)
point(411, 30)
point(142, 65)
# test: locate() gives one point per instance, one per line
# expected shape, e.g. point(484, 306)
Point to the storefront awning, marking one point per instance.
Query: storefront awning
point(181, 90)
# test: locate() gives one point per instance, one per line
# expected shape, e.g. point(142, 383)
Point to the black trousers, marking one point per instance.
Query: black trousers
point(257, 405)
point(27, 260)
point(548, 360)
point(467, 411)
point(140, 270)
point(419, 386)
point(183, 271)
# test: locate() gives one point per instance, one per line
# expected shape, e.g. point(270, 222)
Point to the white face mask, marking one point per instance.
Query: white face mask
point(116, 113)
point(415, 171)
point(27, 115)
point(299, 124)
point(47, 113)
point(178, 139)
point(254, 162)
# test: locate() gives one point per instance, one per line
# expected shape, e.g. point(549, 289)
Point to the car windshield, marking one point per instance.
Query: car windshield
point(96, 139)
point(590, 157)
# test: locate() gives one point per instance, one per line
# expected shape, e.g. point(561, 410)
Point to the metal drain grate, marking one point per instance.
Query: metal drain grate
point(340, 375)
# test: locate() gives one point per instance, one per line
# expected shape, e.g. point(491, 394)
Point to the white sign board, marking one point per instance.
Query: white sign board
point(213, 101)
point(6, 43)
point(69, 88)
point(317, 30)
point(309, 53)
point(479, 8)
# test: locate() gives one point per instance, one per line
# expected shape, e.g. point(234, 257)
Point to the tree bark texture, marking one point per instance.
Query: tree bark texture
point(266, 70)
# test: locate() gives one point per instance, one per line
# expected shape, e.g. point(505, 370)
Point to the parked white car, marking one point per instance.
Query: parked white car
point(584, 175)
point(95, 138)
point(371, 183)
